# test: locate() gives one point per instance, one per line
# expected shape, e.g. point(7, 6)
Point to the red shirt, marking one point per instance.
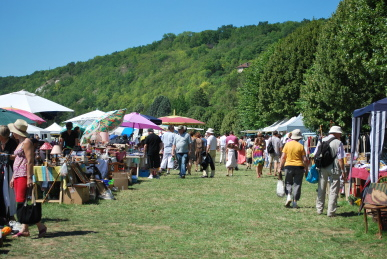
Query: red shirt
point(233, 138)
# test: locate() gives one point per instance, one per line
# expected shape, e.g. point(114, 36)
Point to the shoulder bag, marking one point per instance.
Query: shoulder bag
point(29, 213)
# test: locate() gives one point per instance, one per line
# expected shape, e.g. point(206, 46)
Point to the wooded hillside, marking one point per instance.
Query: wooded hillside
point(194, 72)
point(323, 69)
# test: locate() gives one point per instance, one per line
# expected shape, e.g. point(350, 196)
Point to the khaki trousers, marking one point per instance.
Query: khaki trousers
point(334, 178)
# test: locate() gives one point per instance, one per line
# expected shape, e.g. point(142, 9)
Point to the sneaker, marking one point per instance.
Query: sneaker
point(204, 176)
point(150, 177)
point(17, 226)
point(287, 203)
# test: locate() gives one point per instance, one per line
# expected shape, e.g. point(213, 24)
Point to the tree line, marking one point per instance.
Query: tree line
point(323, 68)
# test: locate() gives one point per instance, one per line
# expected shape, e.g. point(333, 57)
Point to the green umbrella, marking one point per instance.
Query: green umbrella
point(7, 117)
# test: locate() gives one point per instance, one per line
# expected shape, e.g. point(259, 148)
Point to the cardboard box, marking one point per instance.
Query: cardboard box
point(121, 180)
point(77, 194)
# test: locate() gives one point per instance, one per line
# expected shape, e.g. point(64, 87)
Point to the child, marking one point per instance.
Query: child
point(231, 159)
point(249, 156)
point(258, 149)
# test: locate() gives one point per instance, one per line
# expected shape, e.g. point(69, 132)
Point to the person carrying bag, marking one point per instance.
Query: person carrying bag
point(29, 213)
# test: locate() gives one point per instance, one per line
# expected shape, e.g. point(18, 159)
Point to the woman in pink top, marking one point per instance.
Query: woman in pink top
point(23, 169)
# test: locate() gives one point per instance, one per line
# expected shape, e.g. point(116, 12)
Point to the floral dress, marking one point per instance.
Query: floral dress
point(258, 158)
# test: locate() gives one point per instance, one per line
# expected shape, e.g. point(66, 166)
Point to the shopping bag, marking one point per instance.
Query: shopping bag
point(312, 176)
point(29, 213)
point(280, 188)
point(63, 169)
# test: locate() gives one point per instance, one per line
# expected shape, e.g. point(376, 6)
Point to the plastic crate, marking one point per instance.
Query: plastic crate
point(143, 173)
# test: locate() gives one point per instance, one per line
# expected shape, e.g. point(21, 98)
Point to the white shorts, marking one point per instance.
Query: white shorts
point(167, 161)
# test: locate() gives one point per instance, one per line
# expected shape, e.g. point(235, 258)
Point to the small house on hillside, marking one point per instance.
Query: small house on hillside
point(242, 67)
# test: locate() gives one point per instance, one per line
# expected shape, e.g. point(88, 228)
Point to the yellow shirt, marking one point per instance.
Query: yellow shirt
point(294, 152)
point(249, 153)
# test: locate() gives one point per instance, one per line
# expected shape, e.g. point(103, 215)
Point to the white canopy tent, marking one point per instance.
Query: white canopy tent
point(31, 102)
point(294, 123)
point(288, 125)
point(54, 128)
point(42, 133)
point(274, 126)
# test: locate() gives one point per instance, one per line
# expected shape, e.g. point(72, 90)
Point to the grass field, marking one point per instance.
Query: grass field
point(221, 217)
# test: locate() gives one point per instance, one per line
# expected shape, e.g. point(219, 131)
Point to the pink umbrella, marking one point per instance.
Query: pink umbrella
point(179, 120)
point(27, 114)
point(135, 120)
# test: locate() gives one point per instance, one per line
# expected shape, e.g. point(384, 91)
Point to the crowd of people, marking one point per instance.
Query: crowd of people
point(278, 153)
point(190, 151)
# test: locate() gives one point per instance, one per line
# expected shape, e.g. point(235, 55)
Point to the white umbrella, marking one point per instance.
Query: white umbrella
point(31, 102)
point(54, 128)
point(87, 118)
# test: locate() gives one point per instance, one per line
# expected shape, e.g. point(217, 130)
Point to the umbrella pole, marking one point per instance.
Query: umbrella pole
point(56, 178)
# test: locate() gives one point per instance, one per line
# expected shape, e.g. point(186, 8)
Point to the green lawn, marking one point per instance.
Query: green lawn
point(223, 217)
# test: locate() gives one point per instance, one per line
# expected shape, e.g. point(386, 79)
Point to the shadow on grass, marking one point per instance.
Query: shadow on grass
point(67, 233)
point(348, 214)
point(4, 252)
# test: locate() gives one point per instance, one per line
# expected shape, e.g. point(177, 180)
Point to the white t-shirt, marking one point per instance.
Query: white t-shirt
point(168, 138)
point(223, 141)
point(212, 142)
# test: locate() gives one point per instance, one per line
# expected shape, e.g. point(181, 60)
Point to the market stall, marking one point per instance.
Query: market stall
point(375, 114)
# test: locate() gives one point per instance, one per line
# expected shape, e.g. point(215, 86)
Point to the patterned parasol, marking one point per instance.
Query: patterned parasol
point(107, 122)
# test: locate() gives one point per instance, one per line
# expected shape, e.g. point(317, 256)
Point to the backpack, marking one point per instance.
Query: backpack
point(270, 147)
point(324, 156)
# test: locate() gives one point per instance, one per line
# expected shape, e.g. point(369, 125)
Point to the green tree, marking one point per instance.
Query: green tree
point(161, 106)
point(199, 98)
point(140, 108)
point(164, 108)
point(249, 109)
point(282, 77)
point(231, 122)
point(350, 68)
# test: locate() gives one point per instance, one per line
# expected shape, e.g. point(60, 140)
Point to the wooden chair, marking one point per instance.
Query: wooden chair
point(376, 205)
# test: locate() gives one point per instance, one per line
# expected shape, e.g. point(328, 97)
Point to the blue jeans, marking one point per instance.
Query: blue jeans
point(182, 160)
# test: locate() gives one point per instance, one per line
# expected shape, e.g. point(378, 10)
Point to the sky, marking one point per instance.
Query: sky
point(45, 34)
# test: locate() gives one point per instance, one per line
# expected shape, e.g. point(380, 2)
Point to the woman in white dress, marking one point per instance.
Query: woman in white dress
point(231, 159)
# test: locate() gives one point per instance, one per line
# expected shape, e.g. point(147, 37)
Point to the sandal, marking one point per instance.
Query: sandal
point(21, 234)
point(42, 232)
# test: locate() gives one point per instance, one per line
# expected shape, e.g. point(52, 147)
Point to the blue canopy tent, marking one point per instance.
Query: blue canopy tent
point(152, 119)
point(378, 113)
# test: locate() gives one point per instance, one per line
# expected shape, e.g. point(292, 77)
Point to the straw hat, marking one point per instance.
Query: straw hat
point(336, 129)
point(296, 134)
point(19, 127)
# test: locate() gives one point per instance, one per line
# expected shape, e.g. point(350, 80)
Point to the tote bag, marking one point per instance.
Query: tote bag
point(312, 174)
point(280, 188)
point(29, 213)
